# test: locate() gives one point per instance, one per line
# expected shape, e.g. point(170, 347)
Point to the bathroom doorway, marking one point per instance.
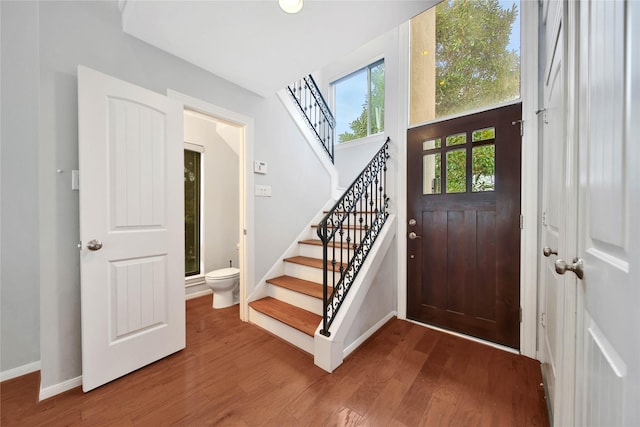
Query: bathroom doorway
point(219, 145)
point(212, 197)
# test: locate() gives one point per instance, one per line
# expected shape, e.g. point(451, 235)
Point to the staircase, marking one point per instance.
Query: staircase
point(314, 297)
point(292, 308)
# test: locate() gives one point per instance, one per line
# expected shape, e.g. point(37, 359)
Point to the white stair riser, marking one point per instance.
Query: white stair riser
point(314, 251)
point(307, 273)
point(279, 329)
point(303, 301)
point(355, 236)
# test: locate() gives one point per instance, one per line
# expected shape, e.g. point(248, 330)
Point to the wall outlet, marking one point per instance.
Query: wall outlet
point(263, 190)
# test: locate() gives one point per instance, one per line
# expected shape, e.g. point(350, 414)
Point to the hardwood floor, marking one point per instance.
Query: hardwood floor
point(234, 374)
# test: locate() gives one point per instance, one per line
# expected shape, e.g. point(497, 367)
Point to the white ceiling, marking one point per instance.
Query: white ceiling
point(256, 45)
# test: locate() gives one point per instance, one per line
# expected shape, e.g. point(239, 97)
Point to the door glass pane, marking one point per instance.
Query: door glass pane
point(456, 139)
point(483, 134)
point(191, 212)
point(431, 173)
point(431, 144)
point(483, 165)
point(457, 171)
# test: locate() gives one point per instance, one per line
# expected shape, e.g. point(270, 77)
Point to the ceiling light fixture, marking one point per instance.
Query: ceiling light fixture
point(291, 6)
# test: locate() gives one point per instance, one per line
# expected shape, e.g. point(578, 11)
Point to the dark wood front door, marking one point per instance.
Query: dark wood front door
point(463, 245)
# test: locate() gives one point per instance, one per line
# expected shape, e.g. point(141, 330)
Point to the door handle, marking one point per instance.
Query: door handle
point(577, 266)
point(94, 245)
point(547, 251)
point(414, 236)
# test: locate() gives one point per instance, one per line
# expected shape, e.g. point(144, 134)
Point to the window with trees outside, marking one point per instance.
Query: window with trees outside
point(359, 103)
point(465, 55)
point(192, 203)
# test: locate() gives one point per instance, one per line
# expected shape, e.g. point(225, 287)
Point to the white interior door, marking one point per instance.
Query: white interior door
point(552, 343)
point(130, 154)
point(608, 334)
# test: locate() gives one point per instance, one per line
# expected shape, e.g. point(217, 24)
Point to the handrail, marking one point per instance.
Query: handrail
point(349, 230)
point(315, 110)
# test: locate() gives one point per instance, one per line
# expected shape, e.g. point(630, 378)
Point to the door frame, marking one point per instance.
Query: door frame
point(247, 213)
point(529, 244)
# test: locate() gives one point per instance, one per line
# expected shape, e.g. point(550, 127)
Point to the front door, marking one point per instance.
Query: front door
point(463, 245)
point(131, 227)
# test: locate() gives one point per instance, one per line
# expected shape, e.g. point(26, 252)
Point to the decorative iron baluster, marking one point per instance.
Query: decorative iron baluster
point(315, 110)
point(366, 202)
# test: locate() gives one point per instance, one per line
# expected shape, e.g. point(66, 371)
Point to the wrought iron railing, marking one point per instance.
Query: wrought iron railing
point(349, 230)
point(314, 108)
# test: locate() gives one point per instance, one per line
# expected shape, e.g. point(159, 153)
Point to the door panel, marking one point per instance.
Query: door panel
point(464, 195)
point(132, 288)
point(608, 326)
point(554, 146)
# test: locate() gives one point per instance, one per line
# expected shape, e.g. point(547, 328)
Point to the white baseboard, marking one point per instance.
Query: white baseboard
point(372, 330)
point(53, 390)
point(19, 371)
point(197, 294)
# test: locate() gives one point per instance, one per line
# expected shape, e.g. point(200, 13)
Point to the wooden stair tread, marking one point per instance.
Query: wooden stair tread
point(332, 244)
point(312, 262)
point(302, 320)
point(300, 285)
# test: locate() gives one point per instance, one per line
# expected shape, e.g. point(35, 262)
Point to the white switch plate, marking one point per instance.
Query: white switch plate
point(75, 179)
point(263, 190)
point(259, 166)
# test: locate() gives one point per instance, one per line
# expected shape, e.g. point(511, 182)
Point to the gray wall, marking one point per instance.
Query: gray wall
point(20, 275)
point(44, 120)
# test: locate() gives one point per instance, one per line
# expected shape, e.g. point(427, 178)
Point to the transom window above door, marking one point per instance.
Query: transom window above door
point(465, 55)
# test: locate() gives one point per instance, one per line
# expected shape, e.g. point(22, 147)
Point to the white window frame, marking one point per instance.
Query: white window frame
point(199, 279)
point(332, 96)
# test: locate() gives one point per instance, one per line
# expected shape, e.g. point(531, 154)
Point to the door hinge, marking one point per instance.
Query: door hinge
point(521, 125)
point(542, 319)
point(544, 218)
point(521, 221)
point(520, 314)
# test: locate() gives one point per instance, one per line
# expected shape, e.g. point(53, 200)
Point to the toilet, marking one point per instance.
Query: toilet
point(225, 284)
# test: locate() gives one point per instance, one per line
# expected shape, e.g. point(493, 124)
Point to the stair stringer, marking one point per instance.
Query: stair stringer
point(278, 269)
point(329, 352)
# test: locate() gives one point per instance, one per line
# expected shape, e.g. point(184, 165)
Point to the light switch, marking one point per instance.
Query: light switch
point(263, 190)
point(75, 179)
point(260, 167)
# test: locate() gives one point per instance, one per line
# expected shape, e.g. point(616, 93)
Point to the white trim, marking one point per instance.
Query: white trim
point(372, 330)
point(190, 146)
point(46, 393)
point(404, 55)
point(247, 210)
point(198, 294)
point(529, 179)
point(19, 371)
point(466, 337)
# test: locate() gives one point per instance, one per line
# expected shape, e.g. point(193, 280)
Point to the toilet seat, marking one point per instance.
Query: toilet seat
point(223, 273)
